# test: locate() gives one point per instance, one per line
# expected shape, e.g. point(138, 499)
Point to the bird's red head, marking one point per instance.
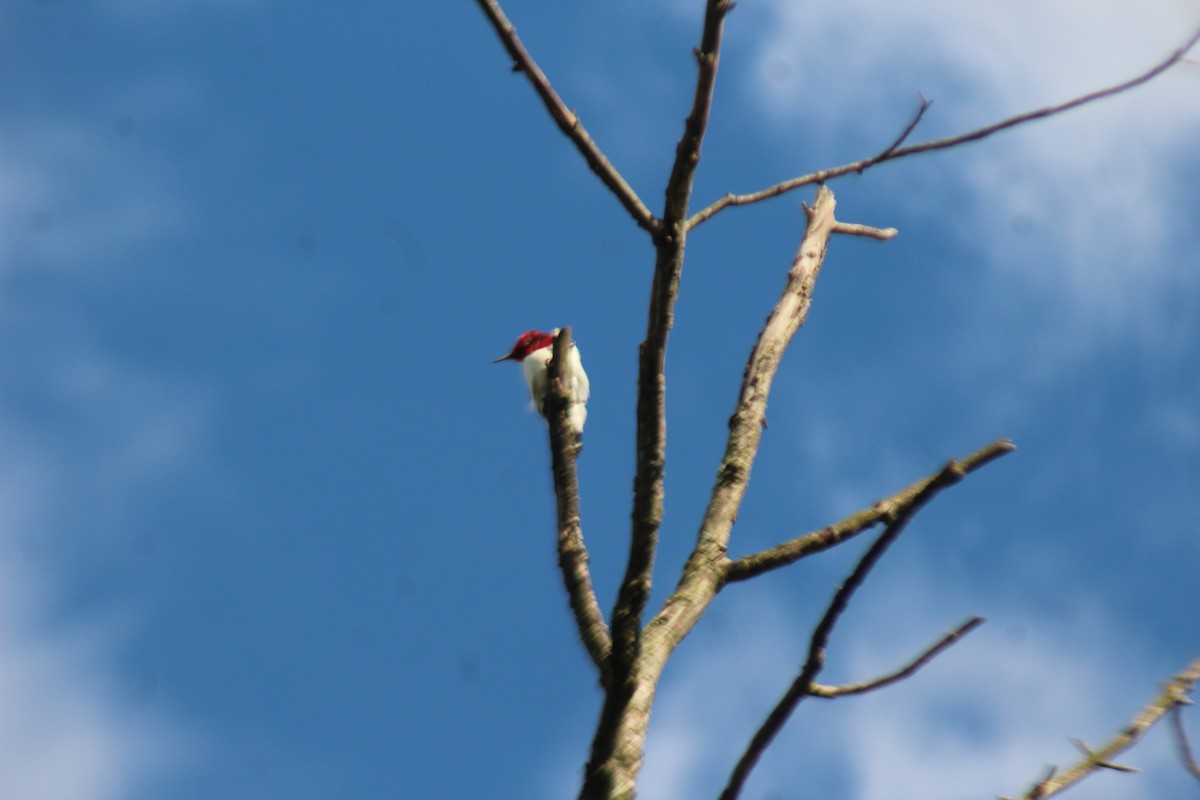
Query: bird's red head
point(527, 342)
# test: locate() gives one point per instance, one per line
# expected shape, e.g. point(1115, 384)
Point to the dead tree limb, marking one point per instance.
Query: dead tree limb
point(704, 573)
point(617, 749)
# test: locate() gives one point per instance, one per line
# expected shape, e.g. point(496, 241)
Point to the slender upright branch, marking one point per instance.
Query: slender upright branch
point(951, 474)
point(651, 405)
point(893, 153)
point(572, 554)
point(907, 671)
point(882, 511)
point(567, 120)
point(1174, 694)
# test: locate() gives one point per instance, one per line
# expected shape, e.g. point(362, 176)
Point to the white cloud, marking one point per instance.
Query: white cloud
point(70, 728)
point(85, 437)
point(996, 710)
point(1176, 428)
point(73, 725)
point(157, 9)
point(72, 196)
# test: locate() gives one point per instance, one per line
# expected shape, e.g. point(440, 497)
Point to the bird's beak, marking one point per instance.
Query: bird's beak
point(503, 358)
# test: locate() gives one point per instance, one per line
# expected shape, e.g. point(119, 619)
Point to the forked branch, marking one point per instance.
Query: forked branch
point(566, 119)
point(704, 573)
point(572, 553)
point(894, 152)
point(802, 686)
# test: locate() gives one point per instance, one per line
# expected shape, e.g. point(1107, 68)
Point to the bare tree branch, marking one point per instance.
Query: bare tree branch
point(1174, 694)
point(1181, 740)
point(572, 554)
point(951, 474)
point(651, 407)
point(909, 669)
point(567, 120)
point(882, 511)
point(892, 153)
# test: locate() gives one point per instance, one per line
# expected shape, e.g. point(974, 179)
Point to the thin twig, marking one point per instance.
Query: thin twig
point(882, 511)
point(1174, 694)
point(853, 229)
point(1082, 747)
point(930, 653)
point(821, 176)
point(951, 474)
point(572, 553)
point(1181, 739)
point(567, 120)
point(908, 129)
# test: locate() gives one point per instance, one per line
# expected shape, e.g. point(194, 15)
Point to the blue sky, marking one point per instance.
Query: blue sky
point(271, 526)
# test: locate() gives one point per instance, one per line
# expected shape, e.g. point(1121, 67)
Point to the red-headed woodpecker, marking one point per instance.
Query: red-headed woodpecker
point(534, 350)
